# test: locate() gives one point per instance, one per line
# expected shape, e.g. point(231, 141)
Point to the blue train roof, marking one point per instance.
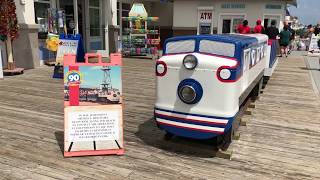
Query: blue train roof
point(242, 40)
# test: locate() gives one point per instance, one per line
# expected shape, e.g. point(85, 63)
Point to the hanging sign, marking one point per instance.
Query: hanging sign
point(93, 106)
point(314, 49)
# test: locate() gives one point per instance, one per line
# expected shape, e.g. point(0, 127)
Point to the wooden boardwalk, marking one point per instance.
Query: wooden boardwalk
point(281, 140)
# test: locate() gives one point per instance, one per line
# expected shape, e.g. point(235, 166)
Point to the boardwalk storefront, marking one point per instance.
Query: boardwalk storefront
point(92, 19)
point(208, 17)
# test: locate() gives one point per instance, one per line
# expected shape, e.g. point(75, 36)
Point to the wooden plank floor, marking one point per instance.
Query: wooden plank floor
point(281, 140)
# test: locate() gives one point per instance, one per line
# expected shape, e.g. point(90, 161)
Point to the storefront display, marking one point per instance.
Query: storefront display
point(93, 106)
point(142, 37)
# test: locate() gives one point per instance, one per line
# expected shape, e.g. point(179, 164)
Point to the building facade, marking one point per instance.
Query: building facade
point(222, 16)
point(94, 20)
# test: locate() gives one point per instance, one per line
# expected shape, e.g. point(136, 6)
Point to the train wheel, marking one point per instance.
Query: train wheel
point(168, 136)
point(225, 140)
point(257, 89)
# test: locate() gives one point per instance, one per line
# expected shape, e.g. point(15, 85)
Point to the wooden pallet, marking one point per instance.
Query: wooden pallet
point(16, 71)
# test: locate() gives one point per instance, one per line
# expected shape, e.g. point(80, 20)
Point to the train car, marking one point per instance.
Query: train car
point(202, 81)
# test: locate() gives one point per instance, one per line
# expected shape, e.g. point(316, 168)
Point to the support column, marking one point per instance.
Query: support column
point(106, 29)
point(9, 54)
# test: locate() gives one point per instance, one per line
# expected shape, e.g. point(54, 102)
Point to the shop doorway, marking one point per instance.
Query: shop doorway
point(94, 25)
point(229, 23)
point(268, 18)
point(85, 19)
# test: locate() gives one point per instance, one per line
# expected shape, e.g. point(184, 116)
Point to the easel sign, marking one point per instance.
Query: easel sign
point(314, 49)
point(93, 110)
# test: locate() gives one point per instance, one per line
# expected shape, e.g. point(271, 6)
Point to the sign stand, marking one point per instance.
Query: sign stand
point(93, 106)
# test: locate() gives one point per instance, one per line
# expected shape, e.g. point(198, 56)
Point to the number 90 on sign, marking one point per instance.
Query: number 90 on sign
point(73, 78)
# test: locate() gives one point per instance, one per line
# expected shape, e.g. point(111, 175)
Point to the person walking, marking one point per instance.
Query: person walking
point(243, 28)
point(258, 28)
point(285, 36)
point(292, 38)
point(308, 36)
point(272, 31)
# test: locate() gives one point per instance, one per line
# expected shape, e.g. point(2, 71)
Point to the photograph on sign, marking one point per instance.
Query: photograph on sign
point(98, 128)
point(98, 85)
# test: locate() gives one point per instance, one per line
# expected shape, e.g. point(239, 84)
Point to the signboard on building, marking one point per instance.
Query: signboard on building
point(93, 106)
point(314, 49)
point(205, 21)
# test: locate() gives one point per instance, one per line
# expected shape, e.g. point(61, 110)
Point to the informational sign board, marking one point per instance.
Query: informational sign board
point(1, 67)
point(66, 46)
point(93, 106)
point(314, 49)
point(205, 21)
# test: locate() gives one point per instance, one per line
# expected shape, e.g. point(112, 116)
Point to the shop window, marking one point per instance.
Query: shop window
point(184, 46)
point(273, 6)
point(95, 17)
point(126, 7)
point(217, 48)
point(41, 15)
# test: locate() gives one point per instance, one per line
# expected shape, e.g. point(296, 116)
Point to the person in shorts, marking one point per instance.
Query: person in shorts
point(285, 36)
point(292, 38)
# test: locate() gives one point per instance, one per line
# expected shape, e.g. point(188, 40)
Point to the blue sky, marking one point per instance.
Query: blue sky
point(307, 11)
point(93, 76)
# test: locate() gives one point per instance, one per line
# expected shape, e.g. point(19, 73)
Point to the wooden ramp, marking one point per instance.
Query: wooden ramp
point(281, 139)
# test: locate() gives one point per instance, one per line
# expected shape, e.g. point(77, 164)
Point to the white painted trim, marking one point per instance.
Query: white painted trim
point(219, 27)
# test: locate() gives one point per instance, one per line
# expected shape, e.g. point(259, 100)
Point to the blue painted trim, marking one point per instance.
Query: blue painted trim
point(196, 86)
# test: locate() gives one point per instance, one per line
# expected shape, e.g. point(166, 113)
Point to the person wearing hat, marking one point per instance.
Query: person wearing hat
point(244, 28)
point(258, 28)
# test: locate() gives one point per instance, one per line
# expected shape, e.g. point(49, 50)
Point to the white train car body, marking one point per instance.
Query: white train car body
point(202, 80)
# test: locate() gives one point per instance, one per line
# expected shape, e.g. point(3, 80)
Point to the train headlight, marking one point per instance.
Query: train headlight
point(161, 68)
point(190, 62)
point(225, 74)
point(187, 94)
point(190, 91)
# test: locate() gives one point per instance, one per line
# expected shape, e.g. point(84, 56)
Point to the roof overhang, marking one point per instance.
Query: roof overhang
point(292, 2)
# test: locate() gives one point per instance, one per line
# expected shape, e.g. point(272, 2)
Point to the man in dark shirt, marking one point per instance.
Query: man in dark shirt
point(272, 31)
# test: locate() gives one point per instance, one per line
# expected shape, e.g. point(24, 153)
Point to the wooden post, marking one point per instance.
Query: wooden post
point(10, 54)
